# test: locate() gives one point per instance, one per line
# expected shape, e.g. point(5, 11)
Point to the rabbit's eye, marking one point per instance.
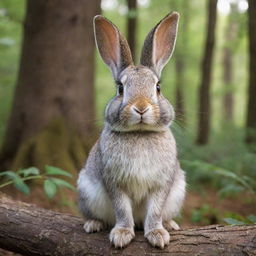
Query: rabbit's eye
point(158, 87)
point(120, 88)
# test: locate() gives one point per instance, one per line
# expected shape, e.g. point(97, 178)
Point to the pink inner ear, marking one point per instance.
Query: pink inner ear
point(108, 41)
point(164, 39)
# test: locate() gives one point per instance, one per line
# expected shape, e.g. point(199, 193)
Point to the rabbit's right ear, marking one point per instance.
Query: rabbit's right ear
point(112, 46)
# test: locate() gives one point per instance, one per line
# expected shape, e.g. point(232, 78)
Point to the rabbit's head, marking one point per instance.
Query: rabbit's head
point(139, 104)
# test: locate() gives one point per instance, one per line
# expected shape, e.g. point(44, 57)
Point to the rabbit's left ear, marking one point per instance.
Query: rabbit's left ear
point(159, 43)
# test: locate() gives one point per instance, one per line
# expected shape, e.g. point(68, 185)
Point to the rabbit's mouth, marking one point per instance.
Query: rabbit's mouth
point(135, 117)
point(144, 124)
point(141, 120)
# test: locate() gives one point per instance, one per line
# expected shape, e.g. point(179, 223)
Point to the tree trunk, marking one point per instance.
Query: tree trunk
point(228, 52)
point(251, 108)
point(55, 86)
point(32, 231)
point(228, 98)
point(179, 93)
point(204, 111)
point(132, 26)
point(180, 58)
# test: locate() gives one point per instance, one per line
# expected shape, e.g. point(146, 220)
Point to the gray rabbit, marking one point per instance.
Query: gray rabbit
point(132, 175)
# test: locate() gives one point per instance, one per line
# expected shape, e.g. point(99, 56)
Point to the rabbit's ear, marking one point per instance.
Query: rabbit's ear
point(112, 46)
point(159, 43)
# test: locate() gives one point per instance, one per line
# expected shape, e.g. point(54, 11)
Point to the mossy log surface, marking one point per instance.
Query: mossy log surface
point(29, 230)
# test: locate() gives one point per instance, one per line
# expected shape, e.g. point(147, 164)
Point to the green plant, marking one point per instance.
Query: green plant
point(51, 183)
point(251, 219)
point(205, 215)
point(235, 182)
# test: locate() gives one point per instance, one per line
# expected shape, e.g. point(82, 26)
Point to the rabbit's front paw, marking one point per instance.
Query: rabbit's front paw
point(91, 226)
point(120, 237)
point(171, 225)
point(158, 237)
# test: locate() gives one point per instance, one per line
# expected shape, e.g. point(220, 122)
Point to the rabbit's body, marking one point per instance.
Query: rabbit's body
point(145, 168)
point(132, 175)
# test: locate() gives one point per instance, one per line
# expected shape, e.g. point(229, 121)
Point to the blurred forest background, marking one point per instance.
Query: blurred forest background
point(54, 87)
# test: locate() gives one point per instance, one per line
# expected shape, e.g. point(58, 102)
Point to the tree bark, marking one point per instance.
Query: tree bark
point(231, 39)
point(228, 98)
point(204, 111)
point(56, 76)
point(32, 231)
point(180, 57)
point(251, 107)
point(132, 26)
point(179, 92)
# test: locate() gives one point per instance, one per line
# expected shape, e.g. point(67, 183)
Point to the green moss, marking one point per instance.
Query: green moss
point(22, 157)
point(77, 151)
point(55, 145)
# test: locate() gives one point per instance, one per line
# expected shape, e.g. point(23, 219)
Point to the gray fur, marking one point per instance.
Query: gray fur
point(132, 175)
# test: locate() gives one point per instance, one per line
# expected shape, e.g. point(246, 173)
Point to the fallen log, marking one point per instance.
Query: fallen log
point(29, 230)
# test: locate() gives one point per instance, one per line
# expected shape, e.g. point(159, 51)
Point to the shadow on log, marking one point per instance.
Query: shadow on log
point(29, 230)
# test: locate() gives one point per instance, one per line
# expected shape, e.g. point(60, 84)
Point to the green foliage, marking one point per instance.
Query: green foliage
point(29, 171)
point(16, 180)
point(233, 222)
point(62, 183)
point(211, 169)
point(205, 215)
point(50, 188)
point(230, 190)
point(51, 183)
point(51, 170)
point(225, 164)
point(251, 219)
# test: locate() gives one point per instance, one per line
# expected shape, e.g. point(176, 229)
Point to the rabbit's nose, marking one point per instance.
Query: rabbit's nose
point(140, 111)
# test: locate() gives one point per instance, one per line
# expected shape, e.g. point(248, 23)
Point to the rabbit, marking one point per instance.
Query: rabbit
point(132, 176)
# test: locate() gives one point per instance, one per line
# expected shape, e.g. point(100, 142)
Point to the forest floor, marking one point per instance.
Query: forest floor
point(208, 208)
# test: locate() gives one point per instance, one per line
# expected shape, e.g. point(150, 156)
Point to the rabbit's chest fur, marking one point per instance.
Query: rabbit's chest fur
point(138, 162)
